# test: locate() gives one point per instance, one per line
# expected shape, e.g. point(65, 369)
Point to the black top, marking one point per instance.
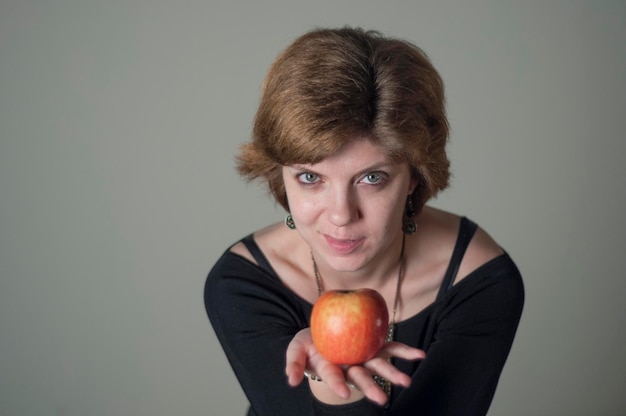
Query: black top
point(467, 334)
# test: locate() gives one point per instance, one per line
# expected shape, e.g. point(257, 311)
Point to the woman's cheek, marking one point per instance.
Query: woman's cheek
point(306, 211)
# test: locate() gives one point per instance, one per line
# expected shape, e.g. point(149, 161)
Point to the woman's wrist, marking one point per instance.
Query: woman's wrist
point(323, 393)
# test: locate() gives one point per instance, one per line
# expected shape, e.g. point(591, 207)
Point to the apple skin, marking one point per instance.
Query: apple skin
point(349, 326)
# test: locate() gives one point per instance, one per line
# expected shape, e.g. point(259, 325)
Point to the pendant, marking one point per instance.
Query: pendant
point(390, 330)
point(382, 383)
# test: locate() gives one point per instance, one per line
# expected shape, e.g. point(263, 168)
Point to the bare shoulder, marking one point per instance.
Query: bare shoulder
point(264, 238)
point(481, 249)
point(288, 255)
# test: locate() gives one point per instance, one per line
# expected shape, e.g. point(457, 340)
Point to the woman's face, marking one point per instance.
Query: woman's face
point(349, 207)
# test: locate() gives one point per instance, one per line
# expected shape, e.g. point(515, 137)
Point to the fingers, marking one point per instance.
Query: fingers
point(363, 380)
point(400, 350)
point(302, 356)
point(361, 376)
point(333, 376)
point(296, 359)
point(386, 370)
point(381, 366)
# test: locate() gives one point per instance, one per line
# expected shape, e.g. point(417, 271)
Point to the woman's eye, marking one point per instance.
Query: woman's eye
point(373, 178)
point(308, 177)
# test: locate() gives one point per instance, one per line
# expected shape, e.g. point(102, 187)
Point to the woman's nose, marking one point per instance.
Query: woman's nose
point(342, 208)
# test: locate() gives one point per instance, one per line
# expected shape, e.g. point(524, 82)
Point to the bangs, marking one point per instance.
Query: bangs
point(298, 150)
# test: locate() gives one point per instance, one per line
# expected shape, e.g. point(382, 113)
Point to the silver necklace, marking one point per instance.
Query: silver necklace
point(384, 384)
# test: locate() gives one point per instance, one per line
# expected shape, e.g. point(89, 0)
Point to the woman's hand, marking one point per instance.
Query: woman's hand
point(346, 383)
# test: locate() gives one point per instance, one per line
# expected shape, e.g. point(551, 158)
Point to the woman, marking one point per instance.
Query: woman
point(350, 138)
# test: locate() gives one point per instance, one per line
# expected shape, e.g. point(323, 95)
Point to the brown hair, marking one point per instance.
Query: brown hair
point(333, 85)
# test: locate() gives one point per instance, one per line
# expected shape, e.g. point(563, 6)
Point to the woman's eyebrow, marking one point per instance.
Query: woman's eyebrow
point(383, 164)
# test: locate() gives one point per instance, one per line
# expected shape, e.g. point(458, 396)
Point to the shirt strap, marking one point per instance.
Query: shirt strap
point(258, 255)
point(467, 229)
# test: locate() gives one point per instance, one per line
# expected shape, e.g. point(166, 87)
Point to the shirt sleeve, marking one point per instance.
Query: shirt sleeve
point(254, 320)
point(472, 337)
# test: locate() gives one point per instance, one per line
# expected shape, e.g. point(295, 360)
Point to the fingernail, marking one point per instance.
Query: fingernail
point(346, 394)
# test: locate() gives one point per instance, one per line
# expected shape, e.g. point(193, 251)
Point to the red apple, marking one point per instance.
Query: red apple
point(349, 326)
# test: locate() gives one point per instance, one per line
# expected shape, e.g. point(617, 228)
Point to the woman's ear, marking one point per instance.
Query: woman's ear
point(416, 178)
point(412, 185)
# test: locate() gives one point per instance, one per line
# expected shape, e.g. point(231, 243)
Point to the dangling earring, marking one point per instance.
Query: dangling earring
point(289, 222)
point(408, 226)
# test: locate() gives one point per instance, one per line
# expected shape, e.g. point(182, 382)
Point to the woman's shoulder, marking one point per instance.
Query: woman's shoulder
point(288, 256)
point(241, 249)
point(443, 228)
point(275, 241)
point(246, 263)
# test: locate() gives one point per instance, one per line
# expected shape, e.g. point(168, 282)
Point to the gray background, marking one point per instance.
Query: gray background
point(118, 124)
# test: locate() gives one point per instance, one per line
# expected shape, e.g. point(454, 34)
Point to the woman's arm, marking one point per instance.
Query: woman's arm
point(472, 334)
point(255, 318)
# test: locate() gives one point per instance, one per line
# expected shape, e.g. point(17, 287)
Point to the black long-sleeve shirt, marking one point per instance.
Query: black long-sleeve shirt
point(467, 334)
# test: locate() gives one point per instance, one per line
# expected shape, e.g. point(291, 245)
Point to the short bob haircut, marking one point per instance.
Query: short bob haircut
point(331, 86)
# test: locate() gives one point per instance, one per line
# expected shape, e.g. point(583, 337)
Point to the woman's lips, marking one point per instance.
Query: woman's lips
point(341, 246)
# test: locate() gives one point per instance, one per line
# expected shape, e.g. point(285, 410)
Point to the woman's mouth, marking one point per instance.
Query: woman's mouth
point(342, 246)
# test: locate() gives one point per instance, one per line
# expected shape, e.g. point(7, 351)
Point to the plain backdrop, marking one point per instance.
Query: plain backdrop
point(118, 125)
